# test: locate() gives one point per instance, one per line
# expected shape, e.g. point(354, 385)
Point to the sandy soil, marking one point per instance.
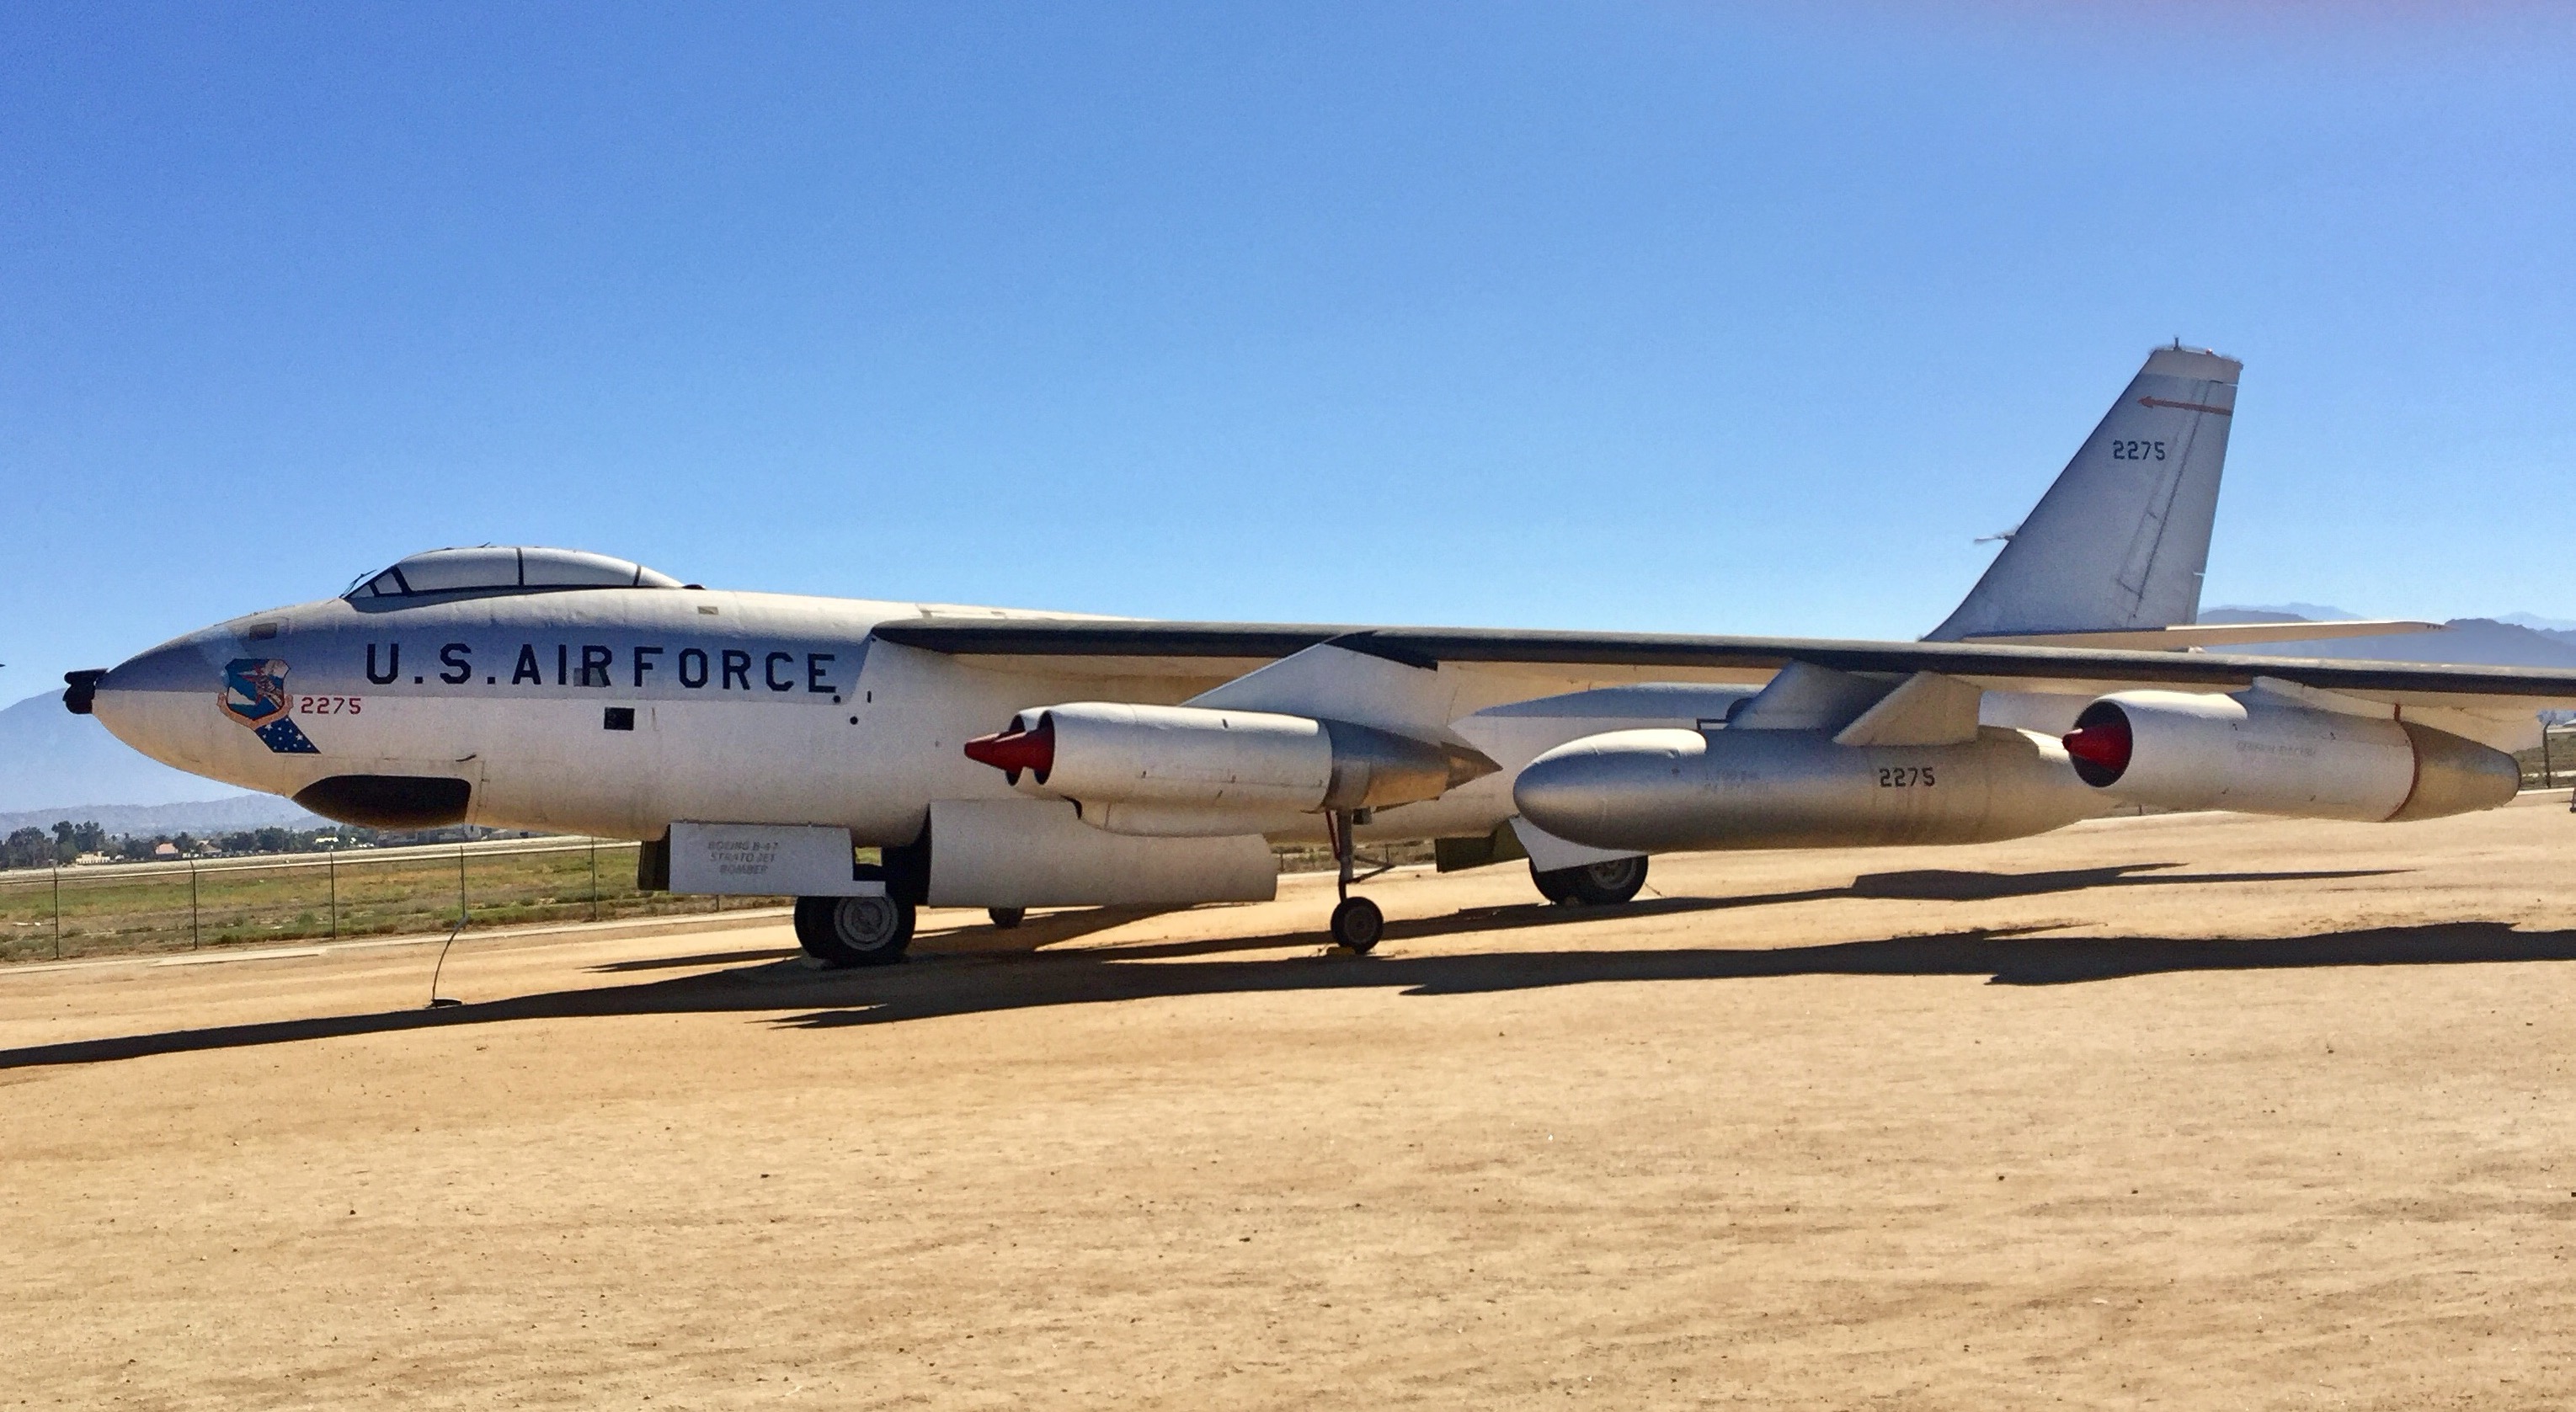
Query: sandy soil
point(2190, 1112)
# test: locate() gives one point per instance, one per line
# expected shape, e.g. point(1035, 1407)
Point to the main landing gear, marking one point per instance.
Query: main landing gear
point(1357, 923)
point(1597, 885)
point(854, 931)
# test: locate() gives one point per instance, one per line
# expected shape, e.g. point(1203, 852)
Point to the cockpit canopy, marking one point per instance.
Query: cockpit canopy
point(506, 569)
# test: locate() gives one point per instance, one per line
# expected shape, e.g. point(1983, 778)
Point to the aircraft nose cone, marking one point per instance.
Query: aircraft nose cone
point(161, 702)
point(1597, 790)
point(184, 665)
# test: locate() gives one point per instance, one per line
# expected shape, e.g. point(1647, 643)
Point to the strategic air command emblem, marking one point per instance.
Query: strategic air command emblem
point(254, 694)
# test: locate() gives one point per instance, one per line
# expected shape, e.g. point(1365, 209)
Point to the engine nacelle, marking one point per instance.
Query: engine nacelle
point(1646, 791)
point(1032, 853)
point(2178, 750)
point(1156, 767)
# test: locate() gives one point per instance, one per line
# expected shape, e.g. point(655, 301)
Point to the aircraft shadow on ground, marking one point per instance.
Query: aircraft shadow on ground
point(766, 983)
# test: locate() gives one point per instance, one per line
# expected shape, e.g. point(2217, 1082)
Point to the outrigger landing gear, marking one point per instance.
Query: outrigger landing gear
point(1357, 923)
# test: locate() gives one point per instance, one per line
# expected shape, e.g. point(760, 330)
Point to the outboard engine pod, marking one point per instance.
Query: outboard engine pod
point(2263, 755)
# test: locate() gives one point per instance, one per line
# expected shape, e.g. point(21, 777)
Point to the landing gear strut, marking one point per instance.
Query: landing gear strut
point(1357, 923)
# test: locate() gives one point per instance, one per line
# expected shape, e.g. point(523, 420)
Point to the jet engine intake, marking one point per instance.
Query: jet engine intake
point(1648, 791)
point(2179, 750)
point(1237, 763)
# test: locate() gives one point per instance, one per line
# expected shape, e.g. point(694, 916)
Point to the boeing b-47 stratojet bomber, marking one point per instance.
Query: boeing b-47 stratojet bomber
point(764, 744)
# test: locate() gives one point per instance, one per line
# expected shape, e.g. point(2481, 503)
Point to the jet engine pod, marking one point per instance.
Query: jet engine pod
point(1652, 790)
point(1231, 762)
point(2178, 750)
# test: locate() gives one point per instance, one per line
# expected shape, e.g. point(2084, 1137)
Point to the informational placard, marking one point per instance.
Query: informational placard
point(792, 860)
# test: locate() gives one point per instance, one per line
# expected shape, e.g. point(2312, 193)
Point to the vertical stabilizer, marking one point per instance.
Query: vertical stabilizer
point(2119, 542)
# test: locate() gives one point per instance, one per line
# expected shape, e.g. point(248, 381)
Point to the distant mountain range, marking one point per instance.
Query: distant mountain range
point(55, 765)
point(2278, 613)
point(212, 816)
point(2490, 642)
point(48, 756)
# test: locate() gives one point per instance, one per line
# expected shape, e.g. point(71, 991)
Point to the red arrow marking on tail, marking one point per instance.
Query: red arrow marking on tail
point(2188, 406)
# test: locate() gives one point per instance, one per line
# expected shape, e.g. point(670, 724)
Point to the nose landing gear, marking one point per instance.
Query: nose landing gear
point(1357, 922)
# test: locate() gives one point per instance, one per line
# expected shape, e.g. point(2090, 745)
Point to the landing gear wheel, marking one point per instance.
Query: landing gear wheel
point(1556, 887)
point(1005, 918)
point(1598, 885)
point(1357, 924)
point(1609, 884)
point(854, 931)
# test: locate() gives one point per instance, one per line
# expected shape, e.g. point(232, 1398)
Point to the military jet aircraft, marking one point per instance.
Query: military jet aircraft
point(1005, 759)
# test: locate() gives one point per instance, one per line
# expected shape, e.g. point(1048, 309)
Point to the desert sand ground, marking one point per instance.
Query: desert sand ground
point(2196, 1111)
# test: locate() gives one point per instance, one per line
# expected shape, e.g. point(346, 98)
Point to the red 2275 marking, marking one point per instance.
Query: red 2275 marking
point(328, 705)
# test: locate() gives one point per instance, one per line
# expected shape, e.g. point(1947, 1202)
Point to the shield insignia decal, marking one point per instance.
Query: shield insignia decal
point(254, 690)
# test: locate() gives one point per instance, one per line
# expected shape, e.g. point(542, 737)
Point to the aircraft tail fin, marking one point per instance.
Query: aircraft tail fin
point(2119, 542)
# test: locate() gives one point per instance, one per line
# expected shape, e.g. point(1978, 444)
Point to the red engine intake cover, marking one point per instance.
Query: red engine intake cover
point(2100, 743)
point(1014, 750)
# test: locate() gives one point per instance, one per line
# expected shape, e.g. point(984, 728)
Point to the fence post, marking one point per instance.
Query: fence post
point(192, 904)
point(58, 910)
point(464, 909)
point(334, 866)
point(594, 880)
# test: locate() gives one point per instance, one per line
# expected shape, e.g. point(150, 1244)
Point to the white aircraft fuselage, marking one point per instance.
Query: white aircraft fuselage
point(614, 711)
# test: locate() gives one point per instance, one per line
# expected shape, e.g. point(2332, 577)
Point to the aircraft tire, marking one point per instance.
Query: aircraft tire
point(1609, 884)
point(1357, 925)
point(813, 923)
point(854, 931)
point(1005, 918)
point(1556, 887)
point(1598, 885)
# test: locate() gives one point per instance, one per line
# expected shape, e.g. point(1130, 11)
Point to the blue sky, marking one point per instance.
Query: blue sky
point(1659, 316)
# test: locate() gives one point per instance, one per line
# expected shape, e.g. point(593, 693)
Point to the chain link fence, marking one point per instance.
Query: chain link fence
point(2551, 763)
point(65, 913)
point(122, 908)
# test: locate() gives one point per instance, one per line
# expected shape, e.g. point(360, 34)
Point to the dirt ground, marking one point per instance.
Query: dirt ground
point(2195, 1111)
